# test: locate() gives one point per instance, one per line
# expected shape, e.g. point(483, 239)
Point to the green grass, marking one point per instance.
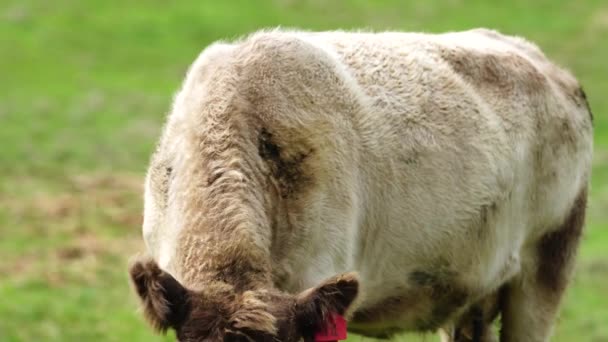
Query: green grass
point(83, 92)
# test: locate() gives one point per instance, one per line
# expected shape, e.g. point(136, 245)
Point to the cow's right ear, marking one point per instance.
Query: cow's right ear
point(166, 303)
point(316, 306)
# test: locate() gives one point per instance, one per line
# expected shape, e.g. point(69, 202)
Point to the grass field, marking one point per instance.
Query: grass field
point(83, 92)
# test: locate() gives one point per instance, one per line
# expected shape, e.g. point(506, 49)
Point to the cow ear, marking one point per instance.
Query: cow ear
point(166, 303)
point(315, 306)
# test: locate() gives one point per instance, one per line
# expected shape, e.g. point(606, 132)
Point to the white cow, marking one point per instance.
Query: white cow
point(407, 181)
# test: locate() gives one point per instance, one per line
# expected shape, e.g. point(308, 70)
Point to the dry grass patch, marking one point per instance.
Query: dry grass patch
point(92, 222)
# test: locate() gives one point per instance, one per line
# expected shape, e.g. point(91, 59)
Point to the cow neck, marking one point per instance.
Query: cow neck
point(226, 235)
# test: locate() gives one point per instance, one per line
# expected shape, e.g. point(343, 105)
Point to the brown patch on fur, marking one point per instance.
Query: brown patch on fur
point(570, 88)
point(580, 93)
point(557, 249)
point(434, 297)
point(287, 171)
point(505, 72)
point(221, 314)
point(446, 296)
point(206, 321)
point(387, 308)
point(240, 273)
point(487, 212)
point(254, 314)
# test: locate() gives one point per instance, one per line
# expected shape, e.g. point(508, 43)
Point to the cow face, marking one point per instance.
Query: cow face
point(217, 313)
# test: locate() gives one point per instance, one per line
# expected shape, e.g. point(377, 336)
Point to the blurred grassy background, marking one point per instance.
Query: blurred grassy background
point(84, 89)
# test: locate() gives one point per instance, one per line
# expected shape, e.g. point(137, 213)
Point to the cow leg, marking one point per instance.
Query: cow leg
point(476, 324)
point(446, 334)
point(532, 299)
point(479, 332)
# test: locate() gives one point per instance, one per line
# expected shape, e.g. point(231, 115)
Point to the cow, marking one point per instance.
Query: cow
point(404, 181)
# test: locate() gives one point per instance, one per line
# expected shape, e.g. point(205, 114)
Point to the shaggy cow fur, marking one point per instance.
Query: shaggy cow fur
point(448, 171)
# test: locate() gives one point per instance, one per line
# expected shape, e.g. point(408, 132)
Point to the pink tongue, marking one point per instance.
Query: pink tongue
point(334, 330)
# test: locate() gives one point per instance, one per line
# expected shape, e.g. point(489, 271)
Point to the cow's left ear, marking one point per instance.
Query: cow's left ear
point(166, 303)
point(315, 306)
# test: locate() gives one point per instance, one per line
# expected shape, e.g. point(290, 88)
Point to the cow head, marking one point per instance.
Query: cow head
point(218, 313)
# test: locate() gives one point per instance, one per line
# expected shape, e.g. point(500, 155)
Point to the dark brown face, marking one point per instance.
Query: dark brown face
point(217, 313)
